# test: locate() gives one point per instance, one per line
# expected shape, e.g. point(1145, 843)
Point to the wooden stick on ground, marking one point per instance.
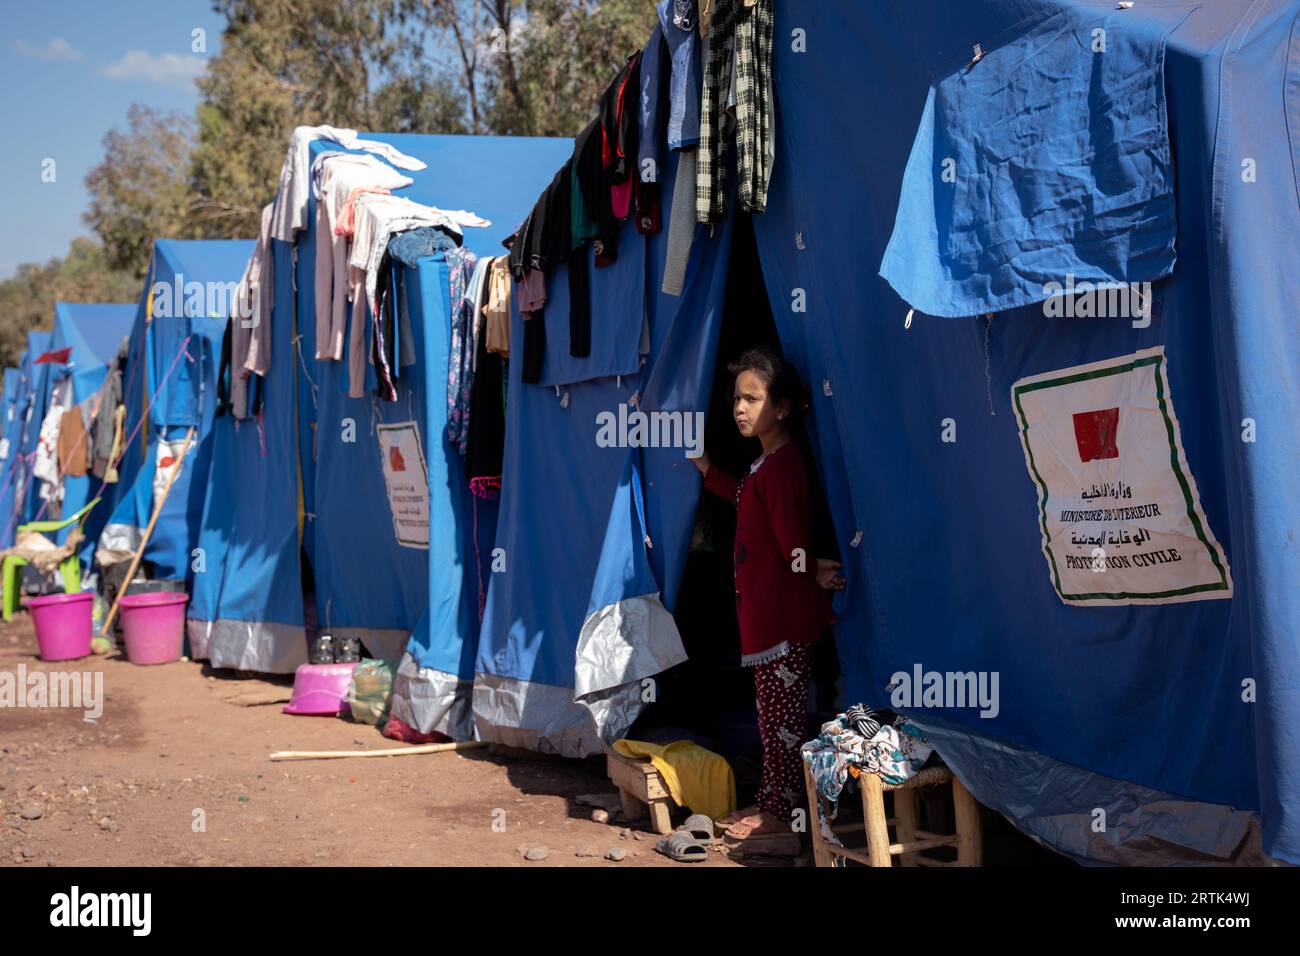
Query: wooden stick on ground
point(392, 752)
point(106, 627)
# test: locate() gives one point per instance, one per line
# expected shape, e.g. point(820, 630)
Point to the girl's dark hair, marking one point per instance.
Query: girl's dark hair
point(779, 377)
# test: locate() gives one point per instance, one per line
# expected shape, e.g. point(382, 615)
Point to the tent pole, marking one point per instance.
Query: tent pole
point(391, 752)
point(139, 554)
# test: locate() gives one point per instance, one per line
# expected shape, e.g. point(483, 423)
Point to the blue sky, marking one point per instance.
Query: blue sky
point(69, 71)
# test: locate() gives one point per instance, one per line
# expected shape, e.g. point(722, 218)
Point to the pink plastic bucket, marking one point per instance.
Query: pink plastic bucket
point(154, 626)
point(62, 623)
point(321, 690)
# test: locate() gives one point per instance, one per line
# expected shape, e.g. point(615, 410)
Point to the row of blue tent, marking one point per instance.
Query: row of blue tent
point(1168, 155)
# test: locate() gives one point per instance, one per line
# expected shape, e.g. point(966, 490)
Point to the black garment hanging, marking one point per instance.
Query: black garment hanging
point(487, 423)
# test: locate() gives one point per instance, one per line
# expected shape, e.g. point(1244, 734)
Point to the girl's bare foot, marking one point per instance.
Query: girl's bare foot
point(735, 816)
point(759, 824)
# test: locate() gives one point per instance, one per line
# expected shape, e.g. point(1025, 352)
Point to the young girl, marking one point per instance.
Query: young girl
point(781, 599)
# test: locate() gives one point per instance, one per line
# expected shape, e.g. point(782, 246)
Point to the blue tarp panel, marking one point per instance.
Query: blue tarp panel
point(942, 544)
point(246, 608)
point(93, 333)
point(580, 583)
point(171, 372)
point(1048, 156)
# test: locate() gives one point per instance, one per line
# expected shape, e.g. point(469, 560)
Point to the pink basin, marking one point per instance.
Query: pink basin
point(320, 690)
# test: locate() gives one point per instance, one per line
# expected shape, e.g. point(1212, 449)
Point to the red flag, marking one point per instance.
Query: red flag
point(59, 357)
point(1094, 433)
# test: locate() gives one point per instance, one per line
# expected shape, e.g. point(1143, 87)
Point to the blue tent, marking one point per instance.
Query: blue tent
point(306, 480)
point(30, 412)
point(169, 387)
point(1087, 144)
point(10, 429)
point(992, 158)
point(93, 334)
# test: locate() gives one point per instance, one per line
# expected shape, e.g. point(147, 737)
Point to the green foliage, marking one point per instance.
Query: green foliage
point(83, 275)
point(141, 189)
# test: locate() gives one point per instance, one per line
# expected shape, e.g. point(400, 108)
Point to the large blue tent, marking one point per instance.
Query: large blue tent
point(169, 388)
point(1088, 143)
point(306, 478)
point(92, 334)
point(985, 159)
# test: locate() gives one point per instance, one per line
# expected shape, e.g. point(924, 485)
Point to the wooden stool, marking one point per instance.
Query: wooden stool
point(639, 787)
point(912, 841)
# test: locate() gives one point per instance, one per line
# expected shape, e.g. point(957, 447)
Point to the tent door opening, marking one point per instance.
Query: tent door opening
point(710, 698)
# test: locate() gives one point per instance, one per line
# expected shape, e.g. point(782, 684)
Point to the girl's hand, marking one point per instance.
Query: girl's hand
point(828, 575)
point(702, 463)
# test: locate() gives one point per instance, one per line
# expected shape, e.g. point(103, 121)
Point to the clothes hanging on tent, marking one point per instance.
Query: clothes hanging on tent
point(74, 444)
point(497, 309)
point(677, 19)
point(291, 200)
point(45, 464)
point(485, 444)
point(382, 218)
point(110, 399)
point(460, 266)
point(250, 322)
point(394, 346)
point(737, 63)
point(341, 177)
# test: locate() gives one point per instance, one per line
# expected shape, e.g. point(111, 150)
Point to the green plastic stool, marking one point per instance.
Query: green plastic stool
point(69, 568)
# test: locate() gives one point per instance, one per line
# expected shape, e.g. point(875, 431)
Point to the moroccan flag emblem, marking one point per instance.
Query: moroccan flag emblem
point(1094, 433)
point(56, 357)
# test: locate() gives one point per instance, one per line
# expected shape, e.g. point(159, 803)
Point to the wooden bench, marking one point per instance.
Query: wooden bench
point(640, 787)
point(911, 842)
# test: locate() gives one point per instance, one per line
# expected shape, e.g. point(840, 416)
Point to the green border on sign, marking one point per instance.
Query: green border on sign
point(1158, 362)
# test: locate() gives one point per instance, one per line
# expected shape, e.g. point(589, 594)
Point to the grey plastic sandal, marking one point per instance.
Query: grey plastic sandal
point(683, 848)
point(699, 826)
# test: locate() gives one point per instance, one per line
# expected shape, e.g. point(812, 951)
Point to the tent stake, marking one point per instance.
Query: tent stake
point(392, 752)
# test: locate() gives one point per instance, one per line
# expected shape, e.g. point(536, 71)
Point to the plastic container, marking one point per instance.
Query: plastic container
point(62, 623)
point(153, 626)
point(320, 690)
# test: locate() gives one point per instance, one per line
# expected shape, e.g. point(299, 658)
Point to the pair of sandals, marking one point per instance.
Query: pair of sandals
point(690, 842)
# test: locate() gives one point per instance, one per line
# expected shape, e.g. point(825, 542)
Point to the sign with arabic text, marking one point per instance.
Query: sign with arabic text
point(1118, 507)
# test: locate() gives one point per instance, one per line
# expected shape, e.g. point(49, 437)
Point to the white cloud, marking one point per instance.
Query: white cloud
point(57, 49)
point(170, 69)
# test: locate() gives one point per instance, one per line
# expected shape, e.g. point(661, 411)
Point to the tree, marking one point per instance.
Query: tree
point(83, 275)
point(141, 188)
point(560, 57)
point(284, 63)
point(526, 67)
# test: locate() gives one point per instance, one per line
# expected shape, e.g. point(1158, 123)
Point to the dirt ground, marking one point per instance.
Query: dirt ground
point(175, 739)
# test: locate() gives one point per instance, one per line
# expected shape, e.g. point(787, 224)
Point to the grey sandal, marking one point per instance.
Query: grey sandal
point(700, 827)
point(683, 848)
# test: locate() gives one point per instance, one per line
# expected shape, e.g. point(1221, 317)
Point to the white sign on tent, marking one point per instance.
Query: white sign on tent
point(1118, 507)
point(407, 480)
